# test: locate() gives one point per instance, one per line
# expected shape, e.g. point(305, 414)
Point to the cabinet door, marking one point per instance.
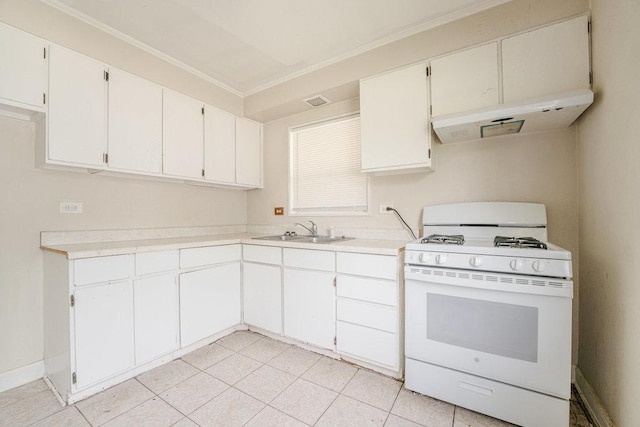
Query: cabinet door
point(465, 80)
point(263, 296)
point(103, 331)
point(135, 123)
point(156, 316)
point(23, 71)
point(309, 306)
point(546, 61)
point(182, 135)
point(209, 302)
point(248, 152)
point(219, 145)
point(394, 115)
point(77, 117)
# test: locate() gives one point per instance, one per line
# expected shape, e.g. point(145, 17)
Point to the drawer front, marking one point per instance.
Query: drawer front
point(195, 257)
point(366, 289)
point(366, 314)
point(101, 269)
point(379, 347)
point(381, 266)
point(156, 262)
point(262, 254)
point(305, 258)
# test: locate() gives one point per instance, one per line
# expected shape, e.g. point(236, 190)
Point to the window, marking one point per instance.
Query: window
point(324, 172)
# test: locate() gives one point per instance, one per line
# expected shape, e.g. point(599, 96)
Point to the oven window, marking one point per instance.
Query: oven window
point(492, 327)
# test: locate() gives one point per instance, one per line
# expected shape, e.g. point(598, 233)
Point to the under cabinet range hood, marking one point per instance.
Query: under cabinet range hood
point(551, 112)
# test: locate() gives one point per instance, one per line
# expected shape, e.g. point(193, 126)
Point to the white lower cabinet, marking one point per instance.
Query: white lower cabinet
point(263, 296)
point(103, 318)
point(156, 316)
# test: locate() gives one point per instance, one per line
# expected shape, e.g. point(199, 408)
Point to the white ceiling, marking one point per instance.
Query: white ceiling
point(249, 45)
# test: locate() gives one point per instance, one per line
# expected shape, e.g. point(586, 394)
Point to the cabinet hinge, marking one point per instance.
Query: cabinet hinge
point(335, 282)
point(335, 340)
point(430, 109)
point(106, 75)
point(203, 111)
point(428, 71)
point(44, 98)
point(588, 26)
point(44, 52)
point(429, 152)
point(590, 78)
point(72, 301)
point(74, 378)
point(202, 172)
point(105, 158)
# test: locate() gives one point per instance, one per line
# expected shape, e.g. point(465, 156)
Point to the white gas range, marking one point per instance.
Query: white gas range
point(488, 312)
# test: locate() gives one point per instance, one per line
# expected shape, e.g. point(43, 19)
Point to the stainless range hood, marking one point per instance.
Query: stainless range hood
point(552, 112)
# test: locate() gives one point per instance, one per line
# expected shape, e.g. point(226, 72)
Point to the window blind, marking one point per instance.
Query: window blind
point(325, 168)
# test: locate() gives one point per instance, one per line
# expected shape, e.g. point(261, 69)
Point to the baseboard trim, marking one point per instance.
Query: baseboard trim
point(592, 403)
point(20, 376)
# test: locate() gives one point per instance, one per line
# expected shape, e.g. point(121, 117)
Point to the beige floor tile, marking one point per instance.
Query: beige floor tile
point(68, 417)
point(166, 376)
point(264, 349)
point(330, 373)
point(294, 360)
point(30, 409)
point(191, 394)
point(231, 408)
point(270, 417)
point(106, 405)
point(233, 368)
point(304, 400)
point(18, 393)
point(265, 383)
point(348, 412)
point(374, 389)
point(423, 409)
point(238, 340)
point(207, 356)
point(152, 413)
point(185, 422)
point(396, 421)
point(466, 418)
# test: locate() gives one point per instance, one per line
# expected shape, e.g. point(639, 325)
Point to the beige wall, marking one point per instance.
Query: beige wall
point(31, 196)
point(609, 194)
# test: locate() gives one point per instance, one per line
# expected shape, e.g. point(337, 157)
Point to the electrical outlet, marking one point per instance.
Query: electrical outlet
point(71, 207)
point(278, 210)
point(383, 207)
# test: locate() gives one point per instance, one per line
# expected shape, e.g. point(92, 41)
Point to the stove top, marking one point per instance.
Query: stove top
point(449, 239)
point(518, 242)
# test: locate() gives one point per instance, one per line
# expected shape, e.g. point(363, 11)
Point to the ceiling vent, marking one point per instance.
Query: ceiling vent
point(317, 101)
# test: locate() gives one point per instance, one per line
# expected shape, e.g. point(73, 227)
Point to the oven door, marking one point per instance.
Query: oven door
point(488, 325)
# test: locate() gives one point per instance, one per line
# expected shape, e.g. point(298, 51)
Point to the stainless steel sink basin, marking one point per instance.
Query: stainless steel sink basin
point(279, 238)
point(305, 239)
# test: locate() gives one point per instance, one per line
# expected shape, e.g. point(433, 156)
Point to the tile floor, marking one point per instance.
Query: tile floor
point(247, 379)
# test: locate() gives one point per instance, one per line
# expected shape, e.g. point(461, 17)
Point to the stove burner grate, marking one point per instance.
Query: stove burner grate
point(452, 239)
point(518, 242)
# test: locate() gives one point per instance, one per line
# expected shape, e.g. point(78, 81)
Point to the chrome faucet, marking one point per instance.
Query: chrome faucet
point(313, 230)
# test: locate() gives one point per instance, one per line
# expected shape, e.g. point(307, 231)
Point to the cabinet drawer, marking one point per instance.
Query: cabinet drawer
point(156, 262)
point(262, 254)
point(382, 266)
point(367, 289)
point(195, 257)
point(366, 314)
point(101, 269)
point(304, 258)
point(369, 344)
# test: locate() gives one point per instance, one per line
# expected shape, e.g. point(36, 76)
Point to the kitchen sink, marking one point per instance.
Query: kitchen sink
point(305, 239)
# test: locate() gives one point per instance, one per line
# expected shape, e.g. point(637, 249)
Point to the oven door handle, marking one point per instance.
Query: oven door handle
point(475, 388)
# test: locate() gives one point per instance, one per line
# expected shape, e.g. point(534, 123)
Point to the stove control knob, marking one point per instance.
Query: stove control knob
point(539, 266)
point(424, 257)
point(475, 261)
point(441, 258)
point(516, 264)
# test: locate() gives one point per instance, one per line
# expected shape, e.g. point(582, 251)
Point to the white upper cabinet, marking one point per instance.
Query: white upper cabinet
point(248, 152)
point(183, 135)
point(23, 70)
point(77, 119)
point(465, 80)
point(546, 61)
point(135, 123)
point(219, 145)
point(394, 117)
